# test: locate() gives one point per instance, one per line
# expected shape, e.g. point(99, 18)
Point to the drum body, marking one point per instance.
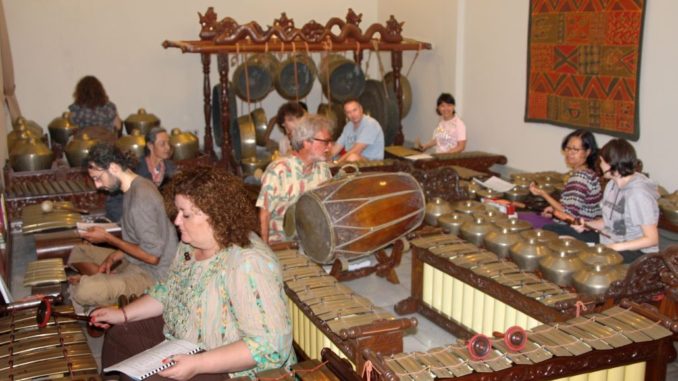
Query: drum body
point(294, 76)
point(357, 215)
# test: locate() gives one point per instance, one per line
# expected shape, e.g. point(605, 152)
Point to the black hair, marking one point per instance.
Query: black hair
point(444, 98)
point(103, 154)
point(588, 142)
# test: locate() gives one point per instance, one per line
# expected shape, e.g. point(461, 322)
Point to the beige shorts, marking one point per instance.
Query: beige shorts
point(104, 289)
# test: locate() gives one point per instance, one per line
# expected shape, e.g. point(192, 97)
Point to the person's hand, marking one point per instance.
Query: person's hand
point(110, 261)
point(106, 316)
point(95, 234)
point(535, 190)
point(578, 225)
point(547, 212)
point(184, 368)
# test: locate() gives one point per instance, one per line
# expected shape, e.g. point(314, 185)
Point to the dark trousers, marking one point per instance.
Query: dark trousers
point(124, 341)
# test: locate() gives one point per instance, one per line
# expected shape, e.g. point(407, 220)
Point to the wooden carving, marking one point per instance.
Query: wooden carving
point(228, 31)
point(643, 282)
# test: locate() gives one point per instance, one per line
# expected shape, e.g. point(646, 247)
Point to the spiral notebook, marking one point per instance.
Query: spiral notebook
point(149, 362)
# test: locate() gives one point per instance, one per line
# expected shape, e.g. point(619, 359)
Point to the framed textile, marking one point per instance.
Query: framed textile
point(583, 64)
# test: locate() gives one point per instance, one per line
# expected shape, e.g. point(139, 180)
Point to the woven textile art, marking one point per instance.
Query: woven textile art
point(584, 64)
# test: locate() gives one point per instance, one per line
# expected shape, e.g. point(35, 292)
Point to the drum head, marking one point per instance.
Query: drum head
point(313, 228)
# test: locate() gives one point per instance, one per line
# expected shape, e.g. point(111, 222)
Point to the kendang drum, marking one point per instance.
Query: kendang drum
point(354, 216)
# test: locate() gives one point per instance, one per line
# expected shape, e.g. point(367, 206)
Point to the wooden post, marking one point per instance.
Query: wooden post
point(227, 158)
point(396, 65)
point(207, 105)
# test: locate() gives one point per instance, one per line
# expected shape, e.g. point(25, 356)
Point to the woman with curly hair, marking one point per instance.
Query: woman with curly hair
point(224, 289)
point(91, 106)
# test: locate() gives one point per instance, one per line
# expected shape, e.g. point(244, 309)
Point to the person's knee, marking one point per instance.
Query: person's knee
point(93, 290)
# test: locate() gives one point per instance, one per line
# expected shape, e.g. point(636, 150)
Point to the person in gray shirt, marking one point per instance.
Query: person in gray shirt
point(149, 241)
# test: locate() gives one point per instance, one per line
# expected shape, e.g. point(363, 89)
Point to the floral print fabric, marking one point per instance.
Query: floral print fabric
point(283, 183)
point(235, 295)
point(99, 116)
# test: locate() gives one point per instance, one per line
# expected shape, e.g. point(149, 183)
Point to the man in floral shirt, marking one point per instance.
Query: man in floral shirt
point(287, 178)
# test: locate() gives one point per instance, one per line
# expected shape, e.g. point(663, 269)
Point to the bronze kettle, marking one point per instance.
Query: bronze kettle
point(602, 267)
point(474, 231)
point(560, 266)
point(32, 126)
point(30, 154)
point(451, 222)
point(184, 144)
point(500, 241)
point(61, 128)
point(20, 127)
point(134, 142)
point(141, 121)
point(436, 208)
point(78, 149)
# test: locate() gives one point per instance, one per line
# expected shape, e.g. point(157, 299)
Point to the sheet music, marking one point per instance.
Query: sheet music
point(108, 226)
point(149, 362)
point(496, 184)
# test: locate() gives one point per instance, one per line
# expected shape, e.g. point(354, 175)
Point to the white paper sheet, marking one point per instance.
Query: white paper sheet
point(496, 184)
point(149, 362)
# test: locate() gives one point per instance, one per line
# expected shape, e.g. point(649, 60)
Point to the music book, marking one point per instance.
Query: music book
point(149, 362)
point(108, 226)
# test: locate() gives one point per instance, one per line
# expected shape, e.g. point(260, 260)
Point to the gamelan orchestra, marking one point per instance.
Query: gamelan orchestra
point(271, 242)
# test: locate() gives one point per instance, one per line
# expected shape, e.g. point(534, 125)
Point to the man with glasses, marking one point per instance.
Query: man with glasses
point(362, 137)
point(149, 240)
point(287, 178)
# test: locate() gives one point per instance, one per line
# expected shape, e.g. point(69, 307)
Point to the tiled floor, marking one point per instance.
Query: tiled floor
point(382, 293)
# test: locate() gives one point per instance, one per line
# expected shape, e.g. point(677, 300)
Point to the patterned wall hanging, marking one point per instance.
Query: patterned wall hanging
point(583, 64)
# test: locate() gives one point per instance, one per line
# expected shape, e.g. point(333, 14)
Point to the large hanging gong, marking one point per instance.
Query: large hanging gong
point(294, 76)
point(404, 86)
point(232, 125)
point(341, 78)
point(255, 74)
point(381, 107)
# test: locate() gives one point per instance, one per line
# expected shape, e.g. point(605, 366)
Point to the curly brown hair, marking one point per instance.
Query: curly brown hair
point(221, 196)
point(89, 92)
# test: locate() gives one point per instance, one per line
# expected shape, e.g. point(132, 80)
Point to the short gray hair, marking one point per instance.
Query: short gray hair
point(308, 126)
point(151, 137)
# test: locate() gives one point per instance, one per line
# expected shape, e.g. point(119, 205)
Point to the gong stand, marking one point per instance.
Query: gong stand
point(384, 268)
point(227, 36)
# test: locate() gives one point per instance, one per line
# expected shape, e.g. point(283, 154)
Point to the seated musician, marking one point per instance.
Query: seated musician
point(286, 178)
point(362, 137)
point(224, 289)
point(91, 106)
point(143, 255)
point(156, 165)
point(450, 135)
point(582, 193)
point(287, 118)
point(629, 206)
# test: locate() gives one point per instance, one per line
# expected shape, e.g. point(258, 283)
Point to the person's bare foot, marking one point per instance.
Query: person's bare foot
point(74, 279)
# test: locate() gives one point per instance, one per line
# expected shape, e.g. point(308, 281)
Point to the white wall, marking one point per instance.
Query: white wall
point(56, 42)
point(492, 53)
point(480, 55)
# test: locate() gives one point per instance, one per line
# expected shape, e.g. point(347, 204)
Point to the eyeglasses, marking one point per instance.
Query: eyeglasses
point(573, 149)
point(325, 141)
point(97, 179)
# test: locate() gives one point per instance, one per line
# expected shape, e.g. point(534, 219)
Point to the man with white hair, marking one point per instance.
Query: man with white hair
point(286, 178)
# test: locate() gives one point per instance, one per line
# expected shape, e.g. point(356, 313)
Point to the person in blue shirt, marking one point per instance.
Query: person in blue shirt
point(362, 137)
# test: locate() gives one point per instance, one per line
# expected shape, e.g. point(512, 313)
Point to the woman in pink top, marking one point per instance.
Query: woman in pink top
point(450, 135)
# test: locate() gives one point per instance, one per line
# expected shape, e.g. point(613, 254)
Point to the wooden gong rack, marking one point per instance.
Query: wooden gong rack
point(228, 36)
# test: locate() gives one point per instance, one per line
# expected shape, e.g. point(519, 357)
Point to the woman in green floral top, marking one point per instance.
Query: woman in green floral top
point(224, 289)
